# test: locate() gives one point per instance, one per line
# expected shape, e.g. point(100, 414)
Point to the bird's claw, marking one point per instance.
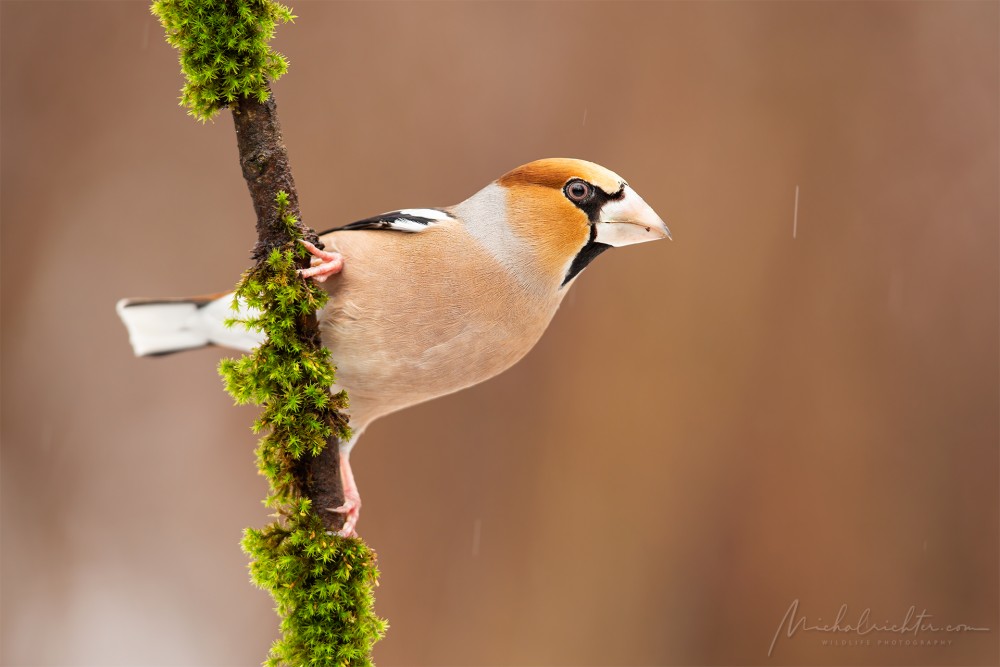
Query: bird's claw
point(323, 264)
point(352, 511)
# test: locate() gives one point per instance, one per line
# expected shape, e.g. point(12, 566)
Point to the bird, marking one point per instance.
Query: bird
point(427, 301)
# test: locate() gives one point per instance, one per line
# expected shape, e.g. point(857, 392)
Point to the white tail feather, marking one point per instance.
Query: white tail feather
point(172, 325)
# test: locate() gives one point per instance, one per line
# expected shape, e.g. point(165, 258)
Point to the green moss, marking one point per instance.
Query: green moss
point(224, 49)
point(322, 583)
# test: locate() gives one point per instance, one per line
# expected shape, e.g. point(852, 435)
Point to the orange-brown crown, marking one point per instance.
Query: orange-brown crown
point(555, 172)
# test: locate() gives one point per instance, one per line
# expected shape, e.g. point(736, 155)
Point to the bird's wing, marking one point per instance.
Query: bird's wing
point(406, 220)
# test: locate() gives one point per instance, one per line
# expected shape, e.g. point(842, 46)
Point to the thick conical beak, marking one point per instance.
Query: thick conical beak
point(629, 220)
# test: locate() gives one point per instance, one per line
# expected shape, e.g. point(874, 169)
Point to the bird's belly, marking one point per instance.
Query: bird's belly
point(387, 371)
point(383, 380)
point(403, 335)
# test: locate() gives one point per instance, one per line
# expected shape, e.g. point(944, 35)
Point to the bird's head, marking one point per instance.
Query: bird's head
point(553, 217)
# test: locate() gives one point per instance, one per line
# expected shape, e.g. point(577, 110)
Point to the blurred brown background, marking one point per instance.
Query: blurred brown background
point(710, 429)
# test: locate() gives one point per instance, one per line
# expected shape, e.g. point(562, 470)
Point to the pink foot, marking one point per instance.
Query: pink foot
point(352, 509)
point(323, 264)
point(352, 499)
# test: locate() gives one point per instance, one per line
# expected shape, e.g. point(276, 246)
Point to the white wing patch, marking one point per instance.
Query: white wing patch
point(402, 225)
point(409, 220)
point(428, 213)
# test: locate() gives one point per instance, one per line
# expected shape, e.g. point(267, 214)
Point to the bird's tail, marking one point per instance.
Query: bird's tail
point(162, 326)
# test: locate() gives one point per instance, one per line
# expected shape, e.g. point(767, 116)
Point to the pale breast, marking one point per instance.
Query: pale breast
point(414, 316)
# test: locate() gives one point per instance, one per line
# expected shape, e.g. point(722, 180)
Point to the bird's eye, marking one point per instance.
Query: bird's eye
point(578, 191)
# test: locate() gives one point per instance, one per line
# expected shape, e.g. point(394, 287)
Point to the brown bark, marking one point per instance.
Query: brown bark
point(322, 483)
point(264, 160)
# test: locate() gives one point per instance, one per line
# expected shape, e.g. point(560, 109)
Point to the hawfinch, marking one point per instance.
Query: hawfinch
point(427, 301)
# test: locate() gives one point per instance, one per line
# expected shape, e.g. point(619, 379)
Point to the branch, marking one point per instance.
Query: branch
point(264, 160)
point(323, 585)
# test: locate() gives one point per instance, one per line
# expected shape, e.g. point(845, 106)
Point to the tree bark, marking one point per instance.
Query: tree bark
point(264, 160)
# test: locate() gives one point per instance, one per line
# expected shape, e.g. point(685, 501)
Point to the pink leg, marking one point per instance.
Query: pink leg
point(323, 264)
point(352, 499)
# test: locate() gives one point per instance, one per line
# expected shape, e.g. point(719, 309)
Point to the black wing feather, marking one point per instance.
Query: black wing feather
point(397, 221)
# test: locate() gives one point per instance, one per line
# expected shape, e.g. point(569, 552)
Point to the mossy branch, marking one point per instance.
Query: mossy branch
point(322, 583)
point(290, 374)
point(224, 49)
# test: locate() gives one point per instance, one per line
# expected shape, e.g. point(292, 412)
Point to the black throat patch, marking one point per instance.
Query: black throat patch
point(586, 255)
